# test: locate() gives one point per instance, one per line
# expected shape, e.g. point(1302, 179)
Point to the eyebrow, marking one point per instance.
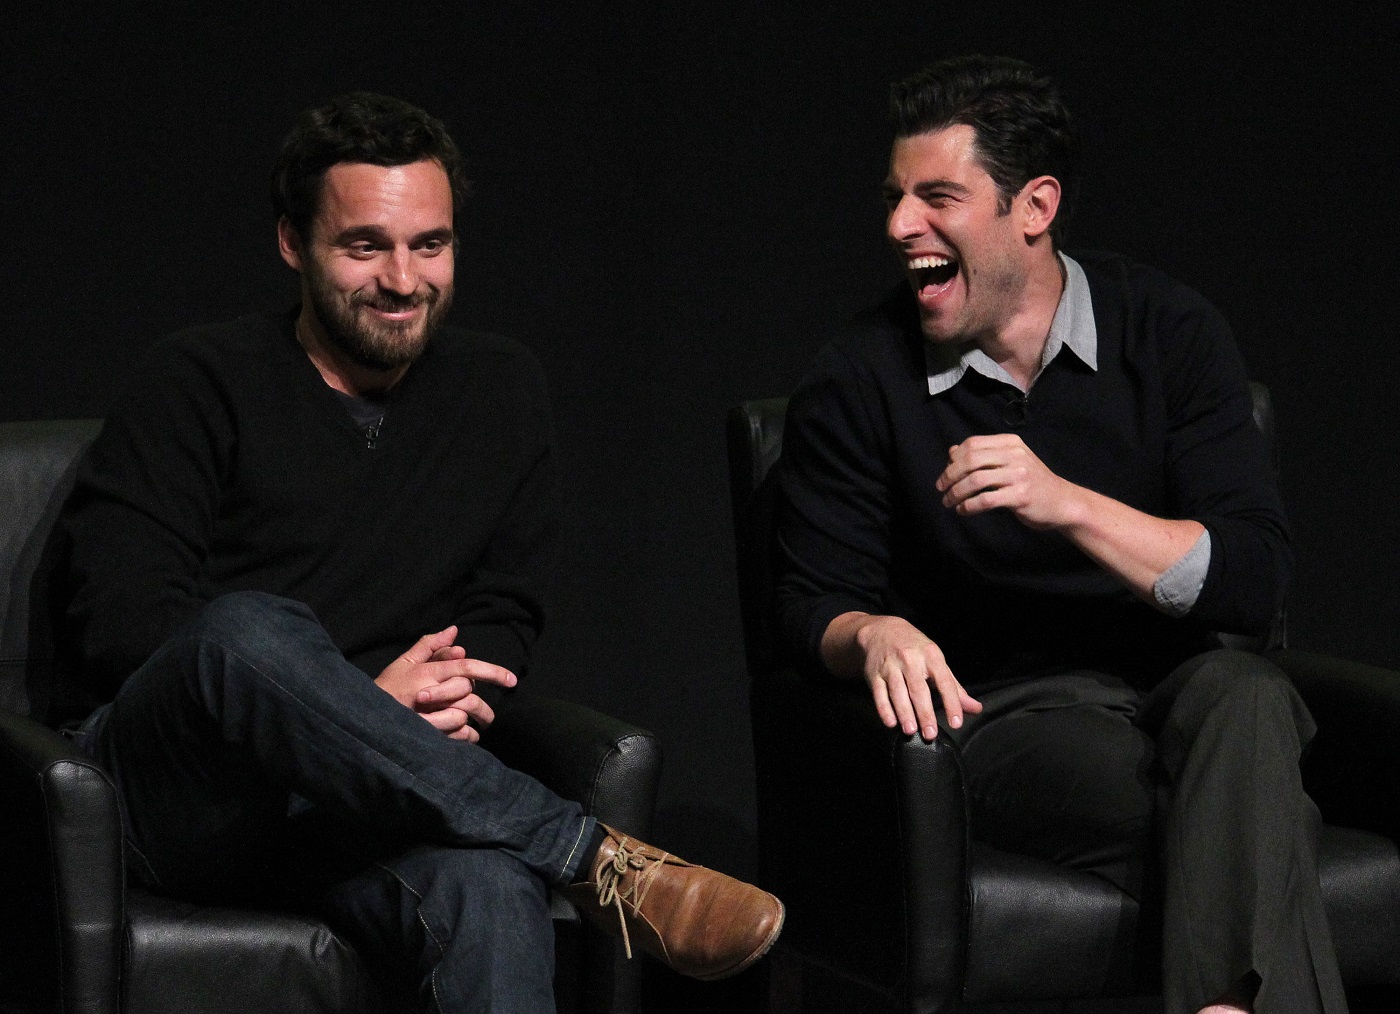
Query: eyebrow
point(928, 186)
point(374, 233)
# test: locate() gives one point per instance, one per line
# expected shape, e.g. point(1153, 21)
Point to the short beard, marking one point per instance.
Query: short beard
point(377, 345)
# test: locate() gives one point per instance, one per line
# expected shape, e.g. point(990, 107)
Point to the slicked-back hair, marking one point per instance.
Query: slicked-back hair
point(357, 127)
point(1023, 127)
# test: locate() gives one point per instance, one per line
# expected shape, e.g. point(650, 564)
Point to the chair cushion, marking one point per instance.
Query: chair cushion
point(189, 959)
point(1041, 931)
point(1360, 874)
point(184, 958)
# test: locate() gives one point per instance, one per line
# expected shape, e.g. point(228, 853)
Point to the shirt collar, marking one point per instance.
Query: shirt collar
point(1073, 328)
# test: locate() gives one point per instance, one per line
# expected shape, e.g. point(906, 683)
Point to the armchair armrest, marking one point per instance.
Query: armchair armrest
point(62, 880)
point(1352, 770)
point(863, 834)
point(606, 765)
point(935, 848)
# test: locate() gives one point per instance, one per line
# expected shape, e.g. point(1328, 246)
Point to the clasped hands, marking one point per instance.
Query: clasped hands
point(437, 680)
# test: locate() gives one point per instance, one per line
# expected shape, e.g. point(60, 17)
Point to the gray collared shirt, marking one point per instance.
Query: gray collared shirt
point(1073, 328)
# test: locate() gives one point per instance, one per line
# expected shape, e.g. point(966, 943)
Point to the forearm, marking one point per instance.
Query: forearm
point(1134, 547)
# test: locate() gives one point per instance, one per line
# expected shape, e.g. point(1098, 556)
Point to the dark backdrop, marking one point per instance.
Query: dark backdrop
point(672, 207)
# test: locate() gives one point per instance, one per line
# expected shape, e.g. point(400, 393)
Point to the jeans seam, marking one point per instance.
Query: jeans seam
point(577, 842)
point(418, 913)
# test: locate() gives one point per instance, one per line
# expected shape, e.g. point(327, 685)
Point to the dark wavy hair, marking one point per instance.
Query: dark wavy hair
point(1023, 127)
point(357, 127)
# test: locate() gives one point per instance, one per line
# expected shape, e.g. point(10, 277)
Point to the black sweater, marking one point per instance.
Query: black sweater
point(1163, 425)
point(233, 466)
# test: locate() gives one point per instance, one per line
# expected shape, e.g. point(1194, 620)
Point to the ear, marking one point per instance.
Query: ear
point(1040, 202)
point(289, 243)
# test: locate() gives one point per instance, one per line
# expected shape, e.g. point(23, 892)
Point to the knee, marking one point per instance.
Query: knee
point(248, 621)
point(1239, 680)
point(1235, 691)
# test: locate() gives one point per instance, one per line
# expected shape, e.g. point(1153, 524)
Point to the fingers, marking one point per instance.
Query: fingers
point(480, 713)
point(450, 672)
point(883, 708)
point(980, 467)
point(448, 720)
point(428, 645)
point(985, 473)
point(456, 693)
point(916, 666)
point(898, 688)
point(461, 719)
point(904, 699)
point(453, 723)
point(443, 694)
point(489, 673)
point(955, 698)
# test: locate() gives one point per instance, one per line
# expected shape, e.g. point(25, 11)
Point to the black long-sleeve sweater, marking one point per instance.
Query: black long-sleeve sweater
point(1164, 425)
point(232, 465)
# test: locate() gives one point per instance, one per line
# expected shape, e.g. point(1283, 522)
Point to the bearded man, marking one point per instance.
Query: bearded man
point(305, 555)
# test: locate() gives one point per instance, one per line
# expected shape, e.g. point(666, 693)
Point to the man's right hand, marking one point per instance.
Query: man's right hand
point(437, 680)
point(898, 662)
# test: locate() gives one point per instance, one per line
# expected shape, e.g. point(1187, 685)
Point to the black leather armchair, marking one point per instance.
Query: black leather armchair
point(75, 937)
point(863, 831)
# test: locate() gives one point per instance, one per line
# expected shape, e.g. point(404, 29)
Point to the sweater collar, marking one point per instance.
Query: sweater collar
point(1072, 328)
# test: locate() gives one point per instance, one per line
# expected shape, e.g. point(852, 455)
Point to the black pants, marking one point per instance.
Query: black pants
point(1202, 773)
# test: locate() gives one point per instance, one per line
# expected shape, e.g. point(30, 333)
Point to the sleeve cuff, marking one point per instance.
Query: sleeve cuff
point(1178, 587)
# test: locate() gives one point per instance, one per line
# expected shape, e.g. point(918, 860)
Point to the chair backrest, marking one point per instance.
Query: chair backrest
point(754, 431)
point(37, 463)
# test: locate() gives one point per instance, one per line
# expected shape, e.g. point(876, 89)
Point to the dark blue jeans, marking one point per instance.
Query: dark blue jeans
point(256, 765)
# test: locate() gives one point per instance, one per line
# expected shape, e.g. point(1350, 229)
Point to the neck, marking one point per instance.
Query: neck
point(337, 369)
point(1019, 343)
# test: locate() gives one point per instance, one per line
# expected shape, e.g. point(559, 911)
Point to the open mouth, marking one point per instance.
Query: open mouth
point(932, 273)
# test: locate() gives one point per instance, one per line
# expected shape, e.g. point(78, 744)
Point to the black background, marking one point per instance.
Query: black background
point(672, 206)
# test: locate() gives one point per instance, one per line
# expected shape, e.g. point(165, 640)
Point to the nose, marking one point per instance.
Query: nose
point(399, 276)
point(905, 223)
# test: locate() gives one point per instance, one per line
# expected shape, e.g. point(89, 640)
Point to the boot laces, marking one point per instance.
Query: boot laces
point(614, 888)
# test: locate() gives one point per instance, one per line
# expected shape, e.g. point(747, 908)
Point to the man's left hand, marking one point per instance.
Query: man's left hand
point(999, 470)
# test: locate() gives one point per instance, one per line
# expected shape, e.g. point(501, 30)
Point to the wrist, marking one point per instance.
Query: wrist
point(1074, 509)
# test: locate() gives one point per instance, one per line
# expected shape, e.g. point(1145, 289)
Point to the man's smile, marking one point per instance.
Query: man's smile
point(392, 309)
point(931, 275)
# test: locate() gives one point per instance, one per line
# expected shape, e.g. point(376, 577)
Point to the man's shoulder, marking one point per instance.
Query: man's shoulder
point(872, 366)
point(1116, 279)
point(882, 341)
point(247, 340)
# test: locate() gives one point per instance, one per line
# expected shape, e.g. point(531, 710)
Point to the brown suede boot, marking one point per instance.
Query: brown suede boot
point(700, 922)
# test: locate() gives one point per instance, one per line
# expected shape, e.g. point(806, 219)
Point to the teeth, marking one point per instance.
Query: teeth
point(919, 263)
